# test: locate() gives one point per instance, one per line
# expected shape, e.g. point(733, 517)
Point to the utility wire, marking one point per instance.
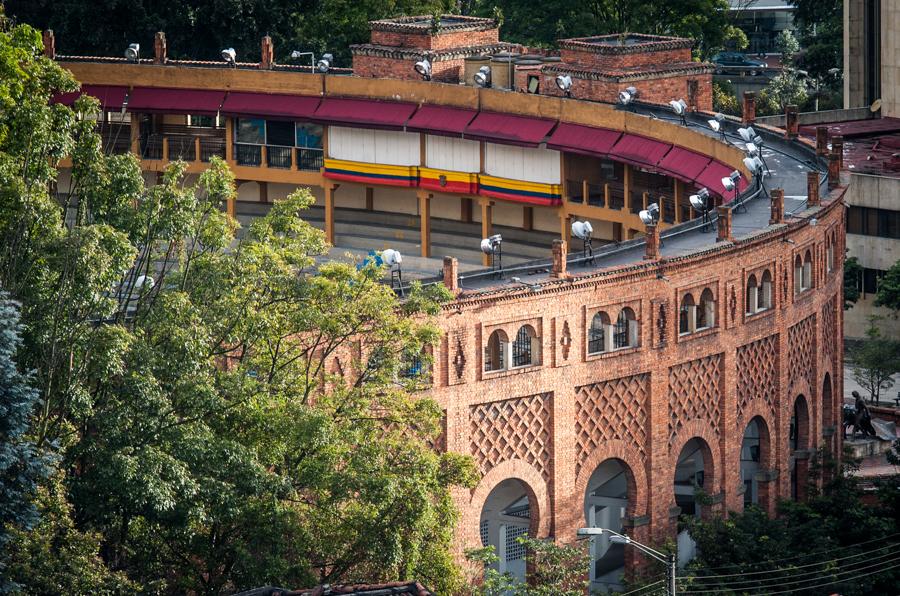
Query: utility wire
point(643, 588)
point(834, 582)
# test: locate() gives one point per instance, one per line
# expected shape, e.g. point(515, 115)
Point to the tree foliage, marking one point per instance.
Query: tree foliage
point(888, 293)
point(555, 570)
point(229, 410)
point(852, 273)
point(875, 360)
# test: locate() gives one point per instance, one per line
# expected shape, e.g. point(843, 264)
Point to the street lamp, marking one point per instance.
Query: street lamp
point(667, 560)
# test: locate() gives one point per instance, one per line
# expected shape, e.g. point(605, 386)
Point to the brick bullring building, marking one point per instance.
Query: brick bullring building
point(606, 384)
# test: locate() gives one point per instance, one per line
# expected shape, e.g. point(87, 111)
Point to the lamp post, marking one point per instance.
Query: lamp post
point(667, 560)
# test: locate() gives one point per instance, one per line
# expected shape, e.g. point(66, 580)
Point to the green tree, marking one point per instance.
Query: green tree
point(852, 274)
point(555, 570)
point(787, 45)
point(874, 361)
point(888, 293)
point(724, 99)
point(784, 89)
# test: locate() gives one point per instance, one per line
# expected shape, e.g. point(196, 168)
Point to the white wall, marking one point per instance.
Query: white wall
point(350, 196)
point(522, 163)
point(447, 206)
point(448, 153)
point(395, 200)
point(374, 146)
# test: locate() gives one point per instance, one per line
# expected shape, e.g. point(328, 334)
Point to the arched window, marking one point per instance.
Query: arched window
point(829, 254)
point(625, 335)
point(798, 275)
point(687, 314)
point(807, 270)
point(706, 311)
point(752, 302)
point(523, 348)
point(495, 351)
point(765, 291)
point(597, 334)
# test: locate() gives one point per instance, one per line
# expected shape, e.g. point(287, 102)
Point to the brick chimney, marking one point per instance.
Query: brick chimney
point(777, 216)
point(451, 274)
point(821, 140)
point(267, 60)
point(791, 122)
point(49, 43)
point(837, 146)
point(834, 170)
point(652, 243)
point(748, 113)
point(559, 259)
point(160, 53)
point(812, 189)
point(724, 224)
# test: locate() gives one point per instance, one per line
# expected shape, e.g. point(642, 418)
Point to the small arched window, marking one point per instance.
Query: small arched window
point(829, 254)
point(625, 335)
point(597, 334)
point(807, 271)
point(752, 301)
point(523, 347)
point(687, 315)
point(798, 275)
point(765, 291)
point(706, 310)
point(495, 352)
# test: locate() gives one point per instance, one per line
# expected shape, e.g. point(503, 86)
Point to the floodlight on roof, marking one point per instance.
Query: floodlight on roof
point(680, 108)
point(715, 125)
point(133, 52)
point(483, 77)
point(758, 141)
point(747, 134)
point(229, 56)
point(564, 82)
point(754, 164)
point(493, 246)
point(728, 183)
point(720, 116)
point(324, 63)
point(582, 229)
point(700, 202)
point(752, 150)
point(392, 259)
point(423, 67)
point(650, 215)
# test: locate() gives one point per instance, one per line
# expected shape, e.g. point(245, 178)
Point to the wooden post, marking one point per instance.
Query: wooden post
point(263, 157)
point(565, 226)
point(136, 134)
point(329, 213)
point(197, 153)
point(263, 192)
point(527, 218)
point(370, 198)
point(465, 209)
point(646, 199)
point(585, 192)
point(627, 182)
point(606, 195)
point(229, 141)
point(165, 149)
point(230, 206)
point(679, 192)
point(425, 223)
point(293, 158)
point(486, 226)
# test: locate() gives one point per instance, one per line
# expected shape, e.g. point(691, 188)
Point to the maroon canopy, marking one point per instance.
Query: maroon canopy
point(512, 130)
point(269, 105)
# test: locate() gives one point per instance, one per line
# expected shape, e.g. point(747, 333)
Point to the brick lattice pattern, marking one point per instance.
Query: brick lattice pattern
point(512, 429)
point(695, 391)
point(801, 353)
point(611, 410)
point(757, 375)
point(829, 328)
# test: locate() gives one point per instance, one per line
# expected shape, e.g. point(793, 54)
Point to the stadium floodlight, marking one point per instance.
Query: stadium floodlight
point(564, 82)
point(627, 95)
point(483, 77)
point(493, 246)
point(423, 67)
point(680, 108)
point(229, 56)
point(752, 150)
point(700, 203)
point(133, 52)
point(747, 134)
point(324, 63)
point(392, 258)
point(754, 164)
point(583, 231)
point(730, 183)
point(650, 215)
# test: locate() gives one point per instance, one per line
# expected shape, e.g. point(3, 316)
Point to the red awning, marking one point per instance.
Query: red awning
point(583, 139)
point(175, 101)
point(513, 130)
point(683, 164)
point(111, 97)
point(268, 105)
point(639, 151)
point(367, 113)
point(711, 178)
point(440, 120)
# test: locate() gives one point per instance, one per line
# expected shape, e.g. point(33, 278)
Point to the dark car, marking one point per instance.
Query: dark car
point(737, 61)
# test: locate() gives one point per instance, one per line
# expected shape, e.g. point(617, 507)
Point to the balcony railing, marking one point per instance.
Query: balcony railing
point(211, 147)
point(152, 147)
point(183, 148)
point(278, 156)
point(248, 155)
point(116, 139)
point(310, 159)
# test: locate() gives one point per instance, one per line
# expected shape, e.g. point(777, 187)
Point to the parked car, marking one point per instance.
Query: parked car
point(738, 61)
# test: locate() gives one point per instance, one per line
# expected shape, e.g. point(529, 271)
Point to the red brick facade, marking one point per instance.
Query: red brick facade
point(651, 89)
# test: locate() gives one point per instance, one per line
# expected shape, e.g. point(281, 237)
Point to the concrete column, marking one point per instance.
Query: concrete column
point(558, 270)
point(451, 274)
point(160, 53)
point(49, 43)
point(527, 218)
point(370, 198)
point(652, 243)
point(724, 226)
point(425, 222)
point(791, 122)
point(263, 192)
point(812, 189)
point(777, 216)
point(329, 212)
point(487, 209)
point(821, 140)
point(748, 113)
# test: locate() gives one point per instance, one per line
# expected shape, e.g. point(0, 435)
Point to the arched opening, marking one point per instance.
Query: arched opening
point(827, 405)
point(706, 311)
point(496, 352)
point(754, 457)
point(687, 315)
point(765, 291)
point(798, 275)
point(829, 253)
point(597, 334)
point(694, 463)
point(525, 350)
point(605, 506)
point(807, 270)
point(798, 440)
point(505, 516)
point(625, 335)
point(752, 301)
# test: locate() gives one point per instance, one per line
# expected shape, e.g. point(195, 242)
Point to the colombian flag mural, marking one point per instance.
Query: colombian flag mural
point(371, 173)
point(449, 182)
point(533, 193)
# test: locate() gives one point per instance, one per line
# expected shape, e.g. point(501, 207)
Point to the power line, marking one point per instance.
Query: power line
point(834, 582)
point(643, 588)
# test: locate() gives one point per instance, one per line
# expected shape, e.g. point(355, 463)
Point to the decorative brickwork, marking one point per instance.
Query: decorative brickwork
point(801, 353)
point(516, 428)
point(695, 390)
point(611, 410)
point(565, 342)
point(830, 335)
point(757, 375)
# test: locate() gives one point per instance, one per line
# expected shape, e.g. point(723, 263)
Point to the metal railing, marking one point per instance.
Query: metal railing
point(182, 148)
point(248, 155)
point(116, 138)
point(278, 156)
point(310, 159)
point(211, 147)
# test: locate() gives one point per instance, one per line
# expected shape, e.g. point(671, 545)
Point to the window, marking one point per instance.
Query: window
point(202, 121)
point(870, 279)
point(625, 335)
point(534, 84)
point(798, 275)
point(752, 302)
point(806, 274)
point(495, 352)
point(706, 313)
point(523, 346)
point(251, 130)
point(308, 138)
point(686, 315)
point(597, 333)
point(412, 365)
point(869, 221)
point(765, 291)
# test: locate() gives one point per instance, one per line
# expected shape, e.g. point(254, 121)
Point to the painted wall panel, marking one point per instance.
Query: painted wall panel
point(374, 146)
point(522, 163)
point(448, 153)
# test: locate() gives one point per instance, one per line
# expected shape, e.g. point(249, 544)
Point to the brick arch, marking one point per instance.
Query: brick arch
point(699, 429)
point(535, 488)
point(636, 473)
point(804, 422)
point(761, 413)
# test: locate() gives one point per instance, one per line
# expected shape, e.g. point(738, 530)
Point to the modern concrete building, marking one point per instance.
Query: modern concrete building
point(699, 350)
